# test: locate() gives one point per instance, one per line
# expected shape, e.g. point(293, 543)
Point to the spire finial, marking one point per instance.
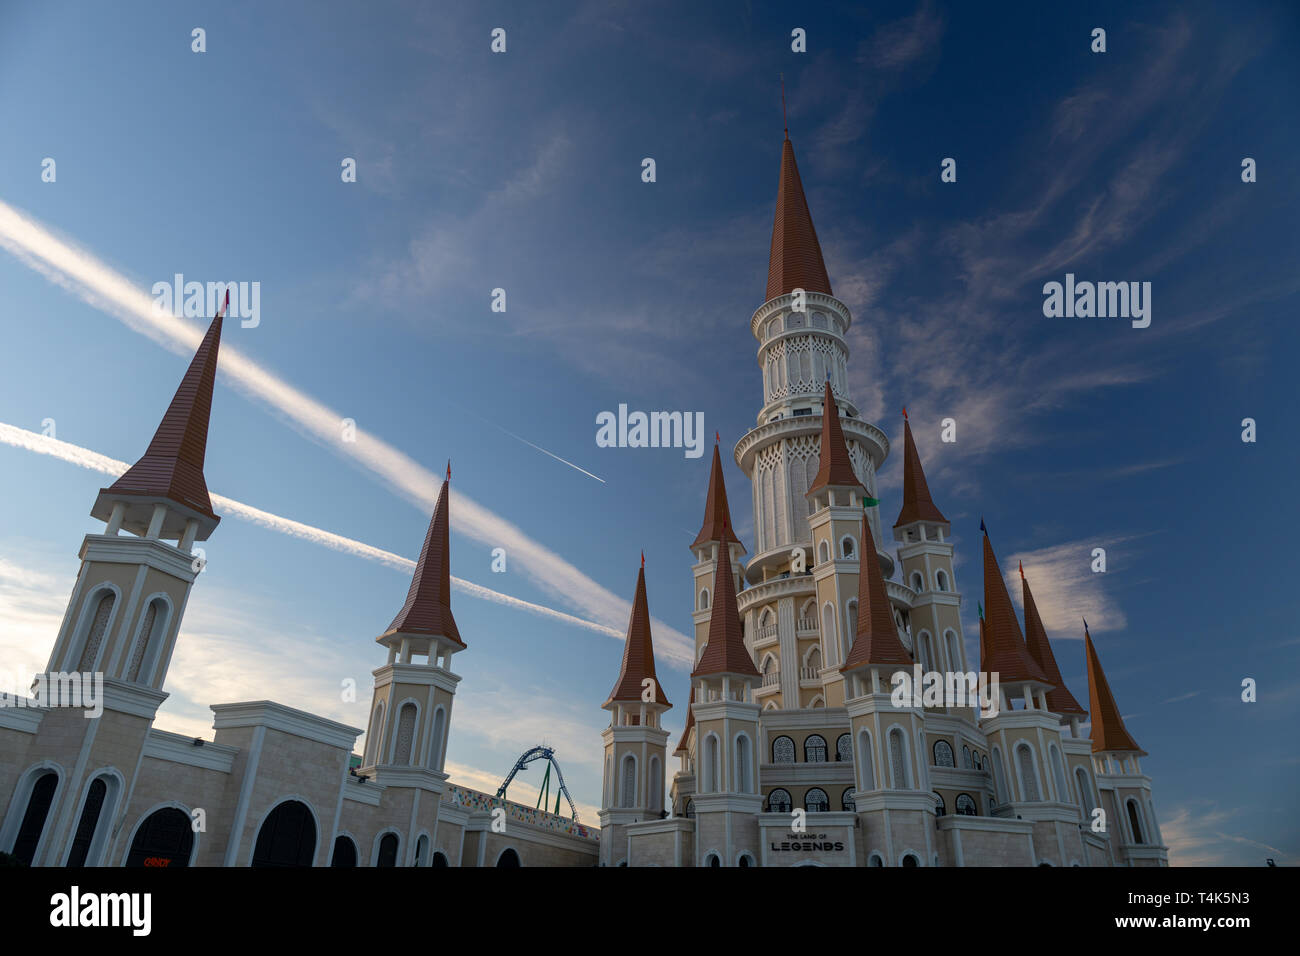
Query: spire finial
point(1022, 570)
point(783, 119)
point(643, 557)
point(449, 469)
point(982, 528)
point(717, 438)
point(225, 305)
point(904, 413)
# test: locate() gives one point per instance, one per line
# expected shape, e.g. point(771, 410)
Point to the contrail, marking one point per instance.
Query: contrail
point(85, 458)
point(85, 276)
point(545, 452)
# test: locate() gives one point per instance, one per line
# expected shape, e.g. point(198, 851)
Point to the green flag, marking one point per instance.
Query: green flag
point(869, 503)
point(981, 607)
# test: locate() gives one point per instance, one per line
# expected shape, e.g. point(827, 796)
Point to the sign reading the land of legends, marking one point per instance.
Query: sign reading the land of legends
point(807, 843)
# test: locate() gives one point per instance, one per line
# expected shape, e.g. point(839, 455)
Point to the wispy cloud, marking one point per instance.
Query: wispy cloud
point(84, 275)
point(1066, 590)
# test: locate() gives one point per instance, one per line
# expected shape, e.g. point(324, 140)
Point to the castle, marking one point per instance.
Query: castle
point(793, 751)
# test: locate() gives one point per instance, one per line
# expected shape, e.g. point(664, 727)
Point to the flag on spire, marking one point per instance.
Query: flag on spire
point(982, 528)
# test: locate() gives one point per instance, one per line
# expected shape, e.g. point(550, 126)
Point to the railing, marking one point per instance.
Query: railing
point(808, 673)
point(768, 631)
point(771, 678)
point(807, 624)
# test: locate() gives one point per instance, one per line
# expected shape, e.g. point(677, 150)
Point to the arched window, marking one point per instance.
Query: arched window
point(823, 552)
point(148, 642)
point(939, 807)
point(375, 732)
point(704, 599)
point(943, 754)
point(388, 845)
point(828, 625)
point(927, 653)
point(876, 860)
point(38, 808)
point(690, 809)
point(509, 860)
point(656, 785)
point(918, 582)
point(287, 836)
point(898, 761)
point(421, 849)
point(851, 616)
point(911, 860)
point(745, 860)
point(867, 772)
point(999, 779)
point(95, 636)
point(164, 838)
point(846, 800)
point(1028, 779)
point(436, 743)
point(965, 757)
point(1085, 792)
point(814, 749)
point(740, 778)
point(1135, 821)
point(966, 805)
point(405, 734)
point(627, 791)
point(778, 801)
point(712, 860)
point(783, 750)
point(940, 580)
point(816, 801)
point(345, 852)
point(711, 782)
point(954, 650)
point(439, 859)
point(844, 748)
point(814, 661)
point(87, 843)
point(848, 547)
point(1058, 774)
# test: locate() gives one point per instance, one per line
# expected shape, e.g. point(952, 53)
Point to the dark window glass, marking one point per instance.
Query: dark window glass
point(345, 852)
point(165, 838)
point(88, 822)
point(387, 850)
point(287, 837)
point(33, 825)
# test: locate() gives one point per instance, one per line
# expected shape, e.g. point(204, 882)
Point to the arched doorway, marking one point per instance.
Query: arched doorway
point(164, 838)
point(439, 859)
point(287, 836)
point(509, 858)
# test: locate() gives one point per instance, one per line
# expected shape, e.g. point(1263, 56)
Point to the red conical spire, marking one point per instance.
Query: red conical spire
point(1008, 656)
point(717, 516)
point(1108, 731)
point(683, 745)
point(796, 257)
point(917, 503)
point(876, 643)
point(427, 609)
point(1059, 698)
point(172, 465)
point(726, 652)
point(834, 467)
point(638, 652)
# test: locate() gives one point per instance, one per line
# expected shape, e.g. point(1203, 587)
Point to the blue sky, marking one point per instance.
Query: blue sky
point(522, 171)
